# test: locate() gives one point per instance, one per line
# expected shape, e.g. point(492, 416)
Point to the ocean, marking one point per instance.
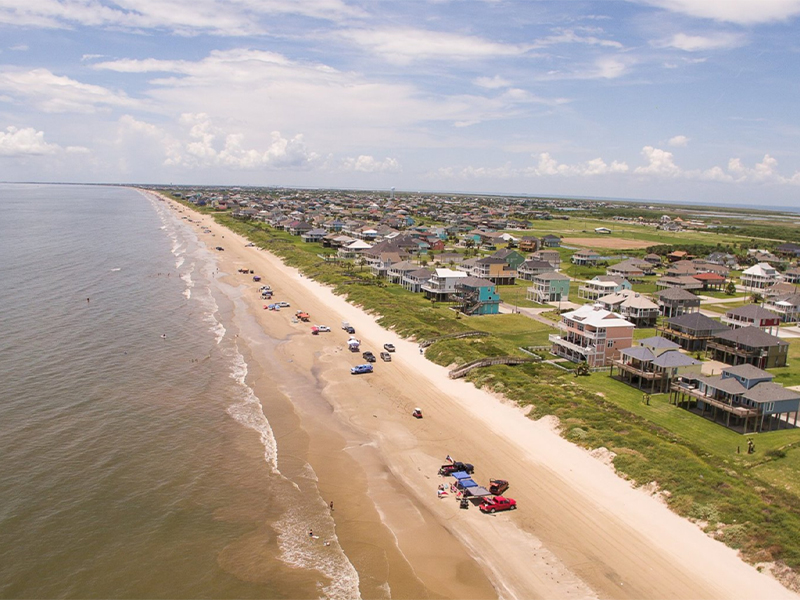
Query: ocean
point(137, 462)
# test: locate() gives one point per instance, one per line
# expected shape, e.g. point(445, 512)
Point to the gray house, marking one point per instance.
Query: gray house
point(743, 398)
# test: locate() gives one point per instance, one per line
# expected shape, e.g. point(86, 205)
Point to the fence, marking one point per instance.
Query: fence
point(486, 362)
point(453, 336)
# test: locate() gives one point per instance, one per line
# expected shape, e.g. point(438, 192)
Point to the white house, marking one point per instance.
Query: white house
point(760, 276)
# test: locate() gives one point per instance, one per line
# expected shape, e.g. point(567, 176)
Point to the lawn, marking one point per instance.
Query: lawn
point(516, 295)
point(790, 375)
point(710, 437)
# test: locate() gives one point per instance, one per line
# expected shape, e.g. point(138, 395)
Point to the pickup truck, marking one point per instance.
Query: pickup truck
point(456, 467)
point(346, 326)
point(497, 486)
point(369, 356)
point(498, 503)
point(359, 369)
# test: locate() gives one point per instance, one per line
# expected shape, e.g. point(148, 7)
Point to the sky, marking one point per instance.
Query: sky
point(677, 100)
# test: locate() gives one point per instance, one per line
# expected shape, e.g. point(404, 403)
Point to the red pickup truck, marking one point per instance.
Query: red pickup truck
point(492, 505)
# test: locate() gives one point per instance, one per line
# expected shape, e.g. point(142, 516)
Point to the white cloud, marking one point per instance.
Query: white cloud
point(267, 91)
point(199, 143)
point(549, 166)
point(569, 36)
point(52, 93)
point(659, 162)
point(405, 45)
point(368, 164)
point(24, 142)
point(697, 43)
point(678, 141)
point(742, 12)
point(604, 67)
point(491, 83)
point(184, 17)
point(546, 166)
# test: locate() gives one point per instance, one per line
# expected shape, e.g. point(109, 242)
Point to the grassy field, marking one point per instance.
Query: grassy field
point(516, 295)
point(751, 501)
point(789, 376)
point(584, 227)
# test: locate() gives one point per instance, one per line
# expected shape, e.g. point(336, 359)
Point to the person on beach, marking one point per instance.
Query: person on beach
point(331, 505)
point(311, 533)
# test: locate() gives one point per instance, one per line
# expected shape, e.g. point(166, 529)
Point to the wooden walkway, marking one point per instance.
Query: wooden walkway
point(487, 362)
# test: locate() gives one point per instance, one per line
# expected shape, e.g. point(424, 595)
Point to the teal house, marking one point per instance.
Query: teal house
point(477, 296)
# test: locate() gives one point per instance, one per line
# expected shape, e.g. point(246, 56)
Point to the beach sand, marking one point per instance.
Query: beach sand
point(580, 531)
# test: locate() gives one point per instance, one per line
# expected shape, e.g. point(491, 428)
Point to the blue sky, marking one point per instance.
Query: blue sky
point(684, 100)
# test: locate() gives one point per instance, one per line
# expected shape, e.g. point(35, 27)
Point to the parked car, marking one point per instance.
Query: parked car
point(497, 486)
point(386, 357)
point(284, 304)
point(498, 503)
point(250, 245)
point(323, 328)
point(359, 369)
point(369, 356)
point(456, 467)
point(220, 248)
point(388, 347)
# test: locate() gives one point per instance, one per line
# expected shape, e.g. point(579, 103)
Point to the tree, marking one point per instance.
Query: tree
point(730, 289)
point(582, 369)
point(361, 262)
point(757, 298)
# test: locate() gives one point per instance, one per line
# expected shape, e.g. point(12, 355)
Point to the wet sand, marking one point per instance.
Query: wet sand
point(580, 531)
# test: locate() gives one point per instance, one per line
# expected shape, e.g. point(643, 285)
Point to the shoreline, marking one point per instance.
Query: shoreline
point(584, 530)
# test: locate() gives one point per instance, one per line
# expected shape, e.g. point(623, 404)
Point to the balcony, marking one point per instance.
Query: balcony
point(559, 341)
point(592, 335)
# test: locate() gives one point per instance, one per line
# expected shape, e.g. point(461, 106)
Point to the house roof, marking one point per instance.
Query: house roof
point(752, 337)
point(676, 293)
point(442, 273)
point(698, 322)
point(763, 269)
point(359, 245)
point(639, 352)
point(597, 317)
point(403, 266)
point(536, 264)
point(728, 385)
point(770, 392)
point(708, 277)
point(673, 358)
point(747, 371)
point(628, 298)
point(419, 273)
point(551, 275)
point(616, 279)
point(751, 311)
point(659, 342)
point(475, 282)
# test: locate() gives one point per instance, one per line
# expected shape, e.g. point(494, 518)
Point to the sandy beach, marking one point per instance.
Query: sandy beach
point(580, 531)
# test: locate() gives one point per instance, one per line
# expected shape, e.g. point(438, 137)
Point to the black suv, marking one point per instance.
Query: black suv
point(369, 356)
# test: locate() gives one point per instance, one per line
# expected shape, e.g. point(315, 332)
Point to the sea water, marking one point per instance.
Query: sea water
point(135, 458)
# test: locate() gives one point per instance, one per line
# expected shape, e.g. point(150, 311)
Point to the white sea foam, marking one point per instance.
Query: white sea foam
point(179, 262)
point(116, 269)
point(250, 413)
point(298, 549)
